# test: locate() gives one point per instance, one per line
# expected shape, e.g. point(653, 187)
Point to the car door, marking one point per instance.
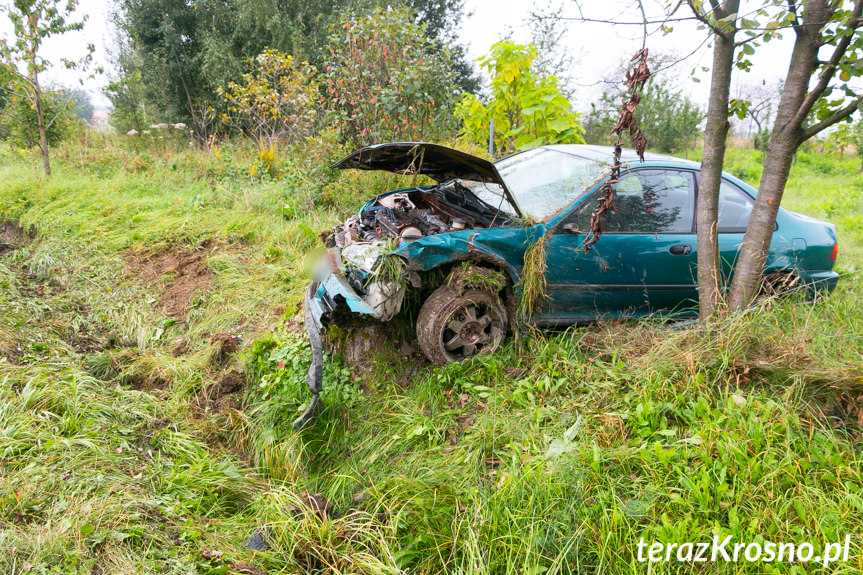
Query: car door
point(644, 261)
point(735, 207)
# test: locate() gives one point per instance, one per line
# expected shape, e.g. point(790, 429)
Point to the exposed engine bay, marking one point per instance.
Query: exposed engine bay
point(409, 215)
point(392, 220)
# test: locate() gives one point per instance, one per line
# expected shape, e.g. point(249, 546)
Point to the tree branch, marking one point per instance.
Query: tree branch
point(833, 118)
point(700, 16)
point(830, 68)
point(792, 7)
point(750, 39)
point(62, 112)
point(615, 22)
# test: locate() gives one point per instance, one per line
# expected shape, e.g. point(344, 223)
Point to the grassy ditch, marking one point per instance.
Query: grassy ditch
point(151, 362)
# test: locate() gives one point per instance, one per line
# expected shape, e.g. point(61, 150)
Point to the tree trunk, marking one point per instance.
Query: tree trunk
point(707, 207)
point(784, 141)
point(40, 120)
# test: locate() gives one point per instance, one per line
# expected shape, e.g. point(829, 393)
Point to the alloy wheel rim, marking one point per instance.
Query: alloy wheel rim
point(470, 330)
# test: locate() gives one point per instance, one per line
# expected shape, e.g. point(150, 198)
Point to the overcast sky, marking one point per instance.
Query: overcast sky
point(597, 48)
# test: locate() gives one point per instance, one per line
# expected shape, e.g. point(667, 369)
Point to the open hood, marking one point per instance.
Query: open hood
point(440, 163)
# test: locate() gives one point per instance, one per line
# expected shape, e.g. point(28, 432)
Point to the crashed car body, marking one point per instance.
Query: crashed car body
point(480, 217)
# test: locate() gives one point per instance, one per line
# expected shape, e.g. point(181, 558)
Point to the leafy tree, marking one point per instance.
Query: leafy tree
point(165, 39)
point(553, 57)
point(20, 126)
point(386, 81)
point(184, 51)
point(22, 63)
point(818, 92)
point(128, 98)
point(441, 20)
point(275, 102)
point(757, 102)
point(528, 110)
point(670, 118)
point(849, 135)
point(81, 105)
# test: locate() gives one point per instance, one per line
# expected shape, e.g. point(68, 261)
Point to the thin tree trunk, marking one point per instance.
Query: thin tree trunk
point(40, 120)
point(707, 207)
point(784, 141)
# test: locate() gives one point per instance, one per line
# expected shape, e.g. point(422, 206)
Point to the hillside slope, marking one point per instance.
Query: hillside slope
point(151, 362)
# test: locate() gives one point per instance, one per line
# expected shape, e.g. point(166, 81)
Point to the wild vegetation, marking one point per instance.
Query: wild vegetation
point(152, 362)
point(153, 354)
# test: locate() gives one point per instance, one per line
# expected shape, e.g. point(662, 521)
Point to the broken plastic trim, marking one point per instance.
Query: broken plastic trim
point(314, 378)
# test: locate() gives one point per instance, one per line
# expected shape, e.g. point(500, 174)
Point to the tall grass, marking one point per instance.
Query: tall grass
point(555, 455)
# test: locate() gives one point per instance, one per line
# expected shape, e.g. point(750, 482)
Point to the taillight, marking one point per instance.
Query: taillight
point(835, 252)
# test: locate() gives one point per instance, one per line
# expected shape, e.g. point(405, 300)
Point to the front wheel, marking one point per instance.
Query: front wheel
point(454, 326)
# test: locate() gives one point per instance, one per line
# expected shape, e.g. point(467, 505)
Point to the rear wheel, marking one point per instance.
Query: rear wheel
point(776, 284)
point(453, 326)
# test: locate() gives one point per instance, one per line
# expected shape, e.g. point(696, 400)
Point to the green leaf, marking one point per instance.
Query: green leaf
point(565, 444)
point(559, 124)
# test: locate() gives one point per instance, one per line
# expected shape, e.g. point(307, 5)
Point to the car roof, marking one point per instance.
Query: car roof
point(606, 153)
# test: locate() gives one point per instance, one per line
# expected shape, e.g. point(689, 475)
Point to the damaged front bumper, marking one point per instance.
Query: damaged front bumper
point(314, 378)
point(331, 292)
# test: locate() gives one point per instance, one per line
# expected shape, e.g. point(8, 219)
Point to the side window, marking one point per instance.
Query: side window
point(647, 202)
point(735, 206)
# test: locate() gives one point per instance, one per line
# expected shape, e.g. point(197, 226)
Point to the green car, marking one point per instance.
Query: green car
point(461, 243)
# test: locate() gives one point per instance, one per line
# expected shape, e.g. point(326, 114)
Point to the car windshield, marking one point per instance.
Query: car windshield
point(543, 181)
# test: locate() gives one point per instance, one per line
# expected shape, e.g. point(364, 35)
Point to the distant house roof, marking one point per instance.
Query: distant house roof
point(100, 117)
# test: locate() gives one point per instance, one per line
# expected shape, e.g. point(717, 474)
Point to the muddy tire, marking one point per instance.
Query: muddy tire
point(453, 326)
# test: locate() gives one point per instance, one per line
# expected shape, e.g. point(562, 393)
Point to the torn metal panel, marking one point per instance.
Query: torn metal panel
point(314, 378)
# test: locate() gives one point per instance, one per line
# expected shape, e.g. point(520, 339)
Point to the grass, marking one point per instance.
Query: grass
point(532, 285)
point(122, 450)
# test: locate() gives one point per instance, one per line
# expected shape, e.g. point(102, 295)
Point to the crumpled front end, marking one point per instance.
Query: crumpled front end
point(356, 279)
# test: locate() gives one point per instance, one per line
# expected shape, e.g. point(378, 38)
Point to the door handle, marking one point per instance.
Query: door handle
point(680, 249)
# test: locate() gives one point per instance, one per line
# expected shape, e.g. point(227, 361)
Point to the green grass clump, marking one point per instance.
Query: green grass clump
point(532, 285)
point(127, 445)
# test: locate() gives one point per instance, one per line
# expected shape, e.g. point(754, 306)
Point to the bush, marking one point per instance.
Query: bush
point(669, 119)
point(528, 109)
point(387, 82)
point(275, 103)
point(19, 125)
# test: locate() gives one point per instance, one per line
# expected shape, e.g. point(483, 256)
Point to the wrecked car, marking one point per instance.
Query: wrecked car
point(458, 246)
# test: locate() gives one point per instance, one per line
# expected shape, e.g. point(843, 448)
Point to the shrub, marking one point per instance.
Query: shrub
point(19, 125)
point(668, 118)
point(275, 103)
point(528, 109)
point(387, 81)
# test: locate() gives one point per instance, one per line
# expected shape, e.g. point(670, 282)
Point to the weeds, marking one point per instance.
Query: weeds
point(554, 455)
point(533, 282)
point(479, 278)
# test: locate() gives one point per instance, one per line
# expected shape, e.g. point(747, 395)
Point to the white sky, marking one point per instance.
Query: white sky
point(598, 48)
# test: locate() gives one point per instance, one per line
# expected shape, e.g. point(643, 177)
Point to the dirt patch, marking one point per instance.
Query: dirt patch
point(226, 345)
point(84, 342)
point(181, 347)
point(357, 345)
point(222, 395)
point(142, 381)
point(231, 382)
point(315, 503)
point(14, 236)
point(12, 353)
point(177, 273)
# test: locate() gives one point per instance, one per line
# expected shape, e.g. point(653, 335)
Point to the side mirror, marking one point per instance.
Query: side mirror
point(570, 228)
